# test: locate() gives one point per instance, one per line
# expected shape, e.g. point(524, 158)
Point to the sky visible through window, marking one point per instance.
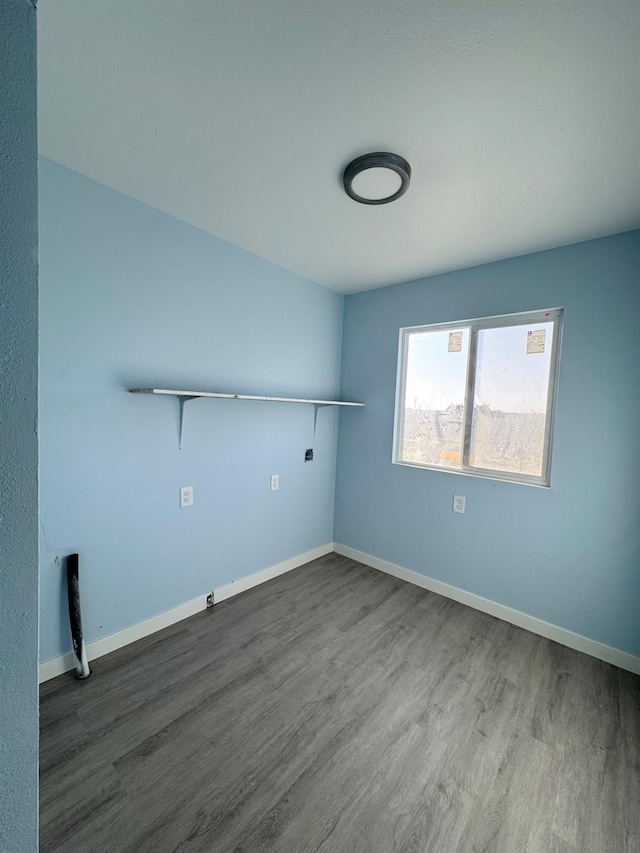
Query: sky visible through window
point(508, 379)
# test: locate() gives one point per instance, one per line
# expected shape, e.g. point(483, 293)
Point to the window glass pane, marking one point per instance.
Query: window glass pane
point(433, 423)
point(510, 404)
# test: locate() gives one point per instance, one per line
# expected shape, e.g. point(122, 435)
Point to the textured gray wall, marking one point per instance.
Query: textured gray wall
point(18, 430)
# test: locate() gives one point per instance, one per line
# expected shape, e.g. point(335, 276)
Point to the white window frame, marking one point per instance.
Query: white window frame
point(524, 318)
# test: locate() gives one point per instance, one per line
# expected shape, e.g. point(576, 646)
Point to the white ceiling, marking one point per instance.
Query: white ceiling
point(521, 121)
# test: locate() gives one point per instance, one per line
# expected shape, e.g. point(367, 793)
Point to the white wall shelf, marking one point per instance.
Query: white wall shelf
point(186, 396)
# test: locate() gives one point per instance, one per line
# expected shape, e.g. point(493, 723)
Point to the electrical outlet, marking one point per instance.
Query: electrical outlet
point(275, 482)
point(308, 454)
point(186, 496)
point(458, 503)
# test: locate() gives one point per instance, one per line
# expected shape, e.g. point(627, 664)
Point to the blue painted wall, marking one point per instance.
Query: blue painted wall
point(130, 298)
point(18, 427)
point(569, 555)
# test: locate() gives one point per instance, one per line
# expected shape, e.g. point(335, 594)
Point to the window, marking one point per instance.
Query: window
point(477, 397)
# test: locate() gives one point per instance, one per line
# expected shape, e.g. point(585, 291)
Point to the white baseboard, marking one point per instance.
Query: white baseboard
point(57, 666)
point(537, 626)
point(236, 587)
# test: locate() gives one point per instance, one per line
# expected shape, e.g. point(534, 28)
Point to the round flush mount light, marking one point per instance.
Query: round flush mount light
point(377, 178)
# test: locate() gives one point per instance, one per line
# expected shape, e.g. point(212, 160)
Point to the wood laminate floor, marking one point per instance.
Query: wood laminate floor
point(336, 709)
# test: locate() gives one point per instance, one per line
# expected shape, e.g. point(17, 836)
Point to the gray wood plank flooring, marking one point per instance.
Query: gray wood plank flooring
point(338, 710)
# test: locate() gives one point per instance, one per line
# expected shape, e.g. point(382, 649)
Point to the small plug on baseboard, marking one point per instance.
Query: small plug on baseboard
point(211, 600)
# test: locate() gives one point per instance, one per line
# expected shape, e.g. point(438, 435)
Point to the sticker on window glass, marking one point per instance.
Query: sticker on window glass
point(455, 341)
point(535, 341)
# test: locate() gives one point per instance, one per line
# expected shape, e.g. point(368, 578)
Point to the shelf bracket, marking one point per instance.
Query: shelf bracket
point(317, 406)
point(185, 396)
point(182, 399)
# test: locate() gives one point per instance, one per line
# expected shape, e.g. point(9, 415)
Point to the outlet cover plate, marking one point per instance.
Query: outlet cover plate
point(458, 503)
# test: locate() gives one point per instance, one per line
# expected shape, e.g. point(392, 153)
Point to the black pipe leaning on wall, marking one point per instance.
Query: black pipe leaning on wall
point(75, 617)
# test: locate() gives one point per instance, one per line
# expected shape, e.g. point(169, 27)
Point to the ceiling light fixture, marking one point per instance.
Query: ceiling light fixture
point(377, 178)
